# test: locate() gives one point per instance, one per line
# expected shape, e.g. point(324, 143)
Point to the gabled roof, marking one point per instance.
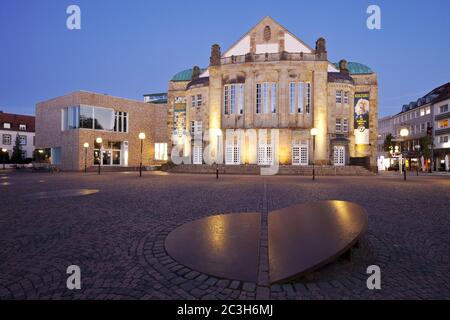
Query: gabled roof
point(265, 21)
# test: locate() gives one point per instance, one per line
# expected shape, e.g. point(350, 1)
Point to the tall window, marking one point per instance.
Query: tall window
point(338, 125)
point(346, 97)
point(241, 98)
point(274, 97)
point(266, 97)
point(225, 101)
point(120, 121)
point(199, 100)
point(345, 125)
point(193, 101)
point(232, 99)
point(301, 97)
point(428, 110)
point(339, 96)
point(292, 97)
point(23, 140)
point(258, 98)
point(443, 109)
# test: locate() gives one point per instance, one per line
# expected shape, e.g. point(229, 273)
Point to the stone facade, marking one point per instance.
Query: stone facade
point(142, 117)
point(271, 68)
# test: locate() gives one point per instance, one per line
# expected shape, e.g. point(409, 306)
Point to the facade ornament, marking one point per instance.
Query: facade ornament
point(214, 60)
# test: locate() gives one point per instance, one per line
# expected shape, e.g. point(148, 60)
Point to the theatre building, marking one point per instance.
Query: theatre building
point(69, 127)
point(257, 102)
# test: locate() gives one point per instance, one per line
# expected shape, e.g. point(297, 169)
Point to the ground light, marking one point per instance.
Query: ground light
point(314, 132)
point(404, 133)
point(99, 141)
point(86, 146)
point(142, 138)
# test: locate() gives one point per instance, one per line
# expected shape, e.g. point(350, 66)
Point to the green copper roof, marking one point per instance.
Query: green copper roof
point(356, 68)
point(185, 75)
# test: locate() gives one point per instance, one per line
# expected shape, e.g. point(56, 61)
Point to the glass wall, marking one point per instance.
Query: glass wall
point(97, 118)
point(109, 153)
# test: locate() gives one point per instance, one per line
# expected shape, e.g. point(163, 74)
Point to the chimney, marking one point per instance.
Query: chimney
point(321, 50)
point(214, 60)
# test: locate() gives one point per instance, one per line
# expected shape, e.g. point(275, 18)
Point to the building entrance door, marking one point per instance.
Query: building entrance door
point(339, 155)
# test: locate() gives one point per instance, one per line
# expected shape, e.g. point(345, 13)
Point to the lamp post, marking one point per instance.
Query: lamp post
point(4, 157)
point(219, 134)
point(404, 133)
point(314, 132)
point(142, 138)
point(86, 146)
point(99, 142)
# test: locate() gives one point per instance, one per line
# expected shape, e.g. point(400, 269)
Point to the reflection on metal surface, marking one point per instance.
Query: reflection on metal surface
point(305, 237)
point(225, 246)
point(62, 193)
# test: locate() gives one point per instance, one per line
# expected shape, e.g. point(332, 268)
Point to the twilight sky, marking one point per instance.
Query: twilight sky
point(128, 48)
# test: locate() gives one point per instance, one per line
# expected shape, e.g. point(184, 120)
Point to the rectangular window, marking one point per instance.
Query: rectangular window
point(232, 151)
point(292, 104)
point(410, 115)
point(103, 119)
point(23, 140)
point(6, 125)
point(338, 97)
point(258, 98)
point(422, 127)
point(274, 98)
point(161, 151)
point(443, 109)
point(428, 110)
point(241, 98)
point(266, 97)
point(346, 97)
point(199, 100)
point(193, 101)
point(120, 121)
point(225, 101)
point(416, 114)
point(86, 117)
point(73, 116)
point(192, 128)
point(422, 112)
point(308, 97)
point(7, 139)
point(338, 125)
point(443, 124)
point(443, 139)
point(232, 99)
point(345, 125)
point(301, 97)
point(22, 127)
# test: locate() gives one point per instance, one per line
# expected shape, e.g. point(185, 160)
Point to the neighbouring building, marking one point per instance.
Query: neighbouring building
point(158, 98)
point(426, 119)
point(13, 126)
point(385, 128)
point(64, 124)
point(257, 102)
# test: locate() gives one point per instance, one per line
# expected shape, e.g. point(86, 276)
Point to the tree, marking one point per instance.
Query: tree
point(425, 144)
point(17, 155)
point(388, 144)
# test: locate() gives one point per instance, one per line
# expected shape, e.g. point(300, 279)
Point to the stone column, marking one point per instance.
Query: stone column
point(215, 102)
point(319, 94)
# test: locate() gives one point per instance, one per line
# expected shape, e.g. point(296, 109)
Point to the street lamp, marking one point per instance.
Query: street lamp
point(99, 142)
point(142, 138)
point(4, 151)
point(314, 132)
point(86, 146)
point(404, 133)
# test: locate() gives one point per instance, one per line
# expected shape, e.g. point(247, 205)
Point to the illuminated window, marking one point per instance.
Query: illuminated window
point(428, 110)
point(6, 125)
point(443, 124)
point(161, 151)
point(443, 139)
point(22, 127)
point(23, 140)
point(422, 112)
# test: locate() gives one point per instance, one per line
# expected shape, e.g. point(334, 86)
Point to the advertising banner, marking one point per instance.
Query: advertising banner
point(361, 117)
point(179, 116)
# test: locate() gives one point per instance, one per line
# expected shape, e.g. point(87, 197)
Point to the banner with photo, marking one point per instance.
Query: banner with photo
point(179, 122)
point(361, 117)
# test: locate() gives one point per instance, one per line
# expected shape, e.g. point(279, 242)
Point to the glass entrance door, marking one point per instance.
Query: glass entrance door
point(339, 155)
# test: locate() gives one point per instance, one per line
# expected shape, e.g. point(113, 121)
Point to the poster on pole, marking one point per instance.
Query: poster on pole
point(361, 117)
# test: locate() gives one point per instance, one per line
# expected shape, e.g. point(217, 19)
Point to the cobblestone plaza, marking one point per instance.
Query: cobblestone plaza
point(117, 235)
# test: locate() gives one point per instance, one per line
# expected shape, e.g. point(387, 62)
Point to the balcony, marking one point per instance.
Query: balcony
point(442, 116)
point(439, 132)
point(268, 57)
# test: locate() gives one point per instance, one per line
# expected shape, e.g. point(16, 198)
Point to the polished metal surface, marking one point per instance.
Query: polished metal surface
point(225, 246)
point(305, 237)
point(62, 193)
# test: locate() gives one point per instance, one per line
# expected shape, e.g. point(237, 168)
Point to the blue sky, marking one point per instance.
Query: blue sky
point(128, 48)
